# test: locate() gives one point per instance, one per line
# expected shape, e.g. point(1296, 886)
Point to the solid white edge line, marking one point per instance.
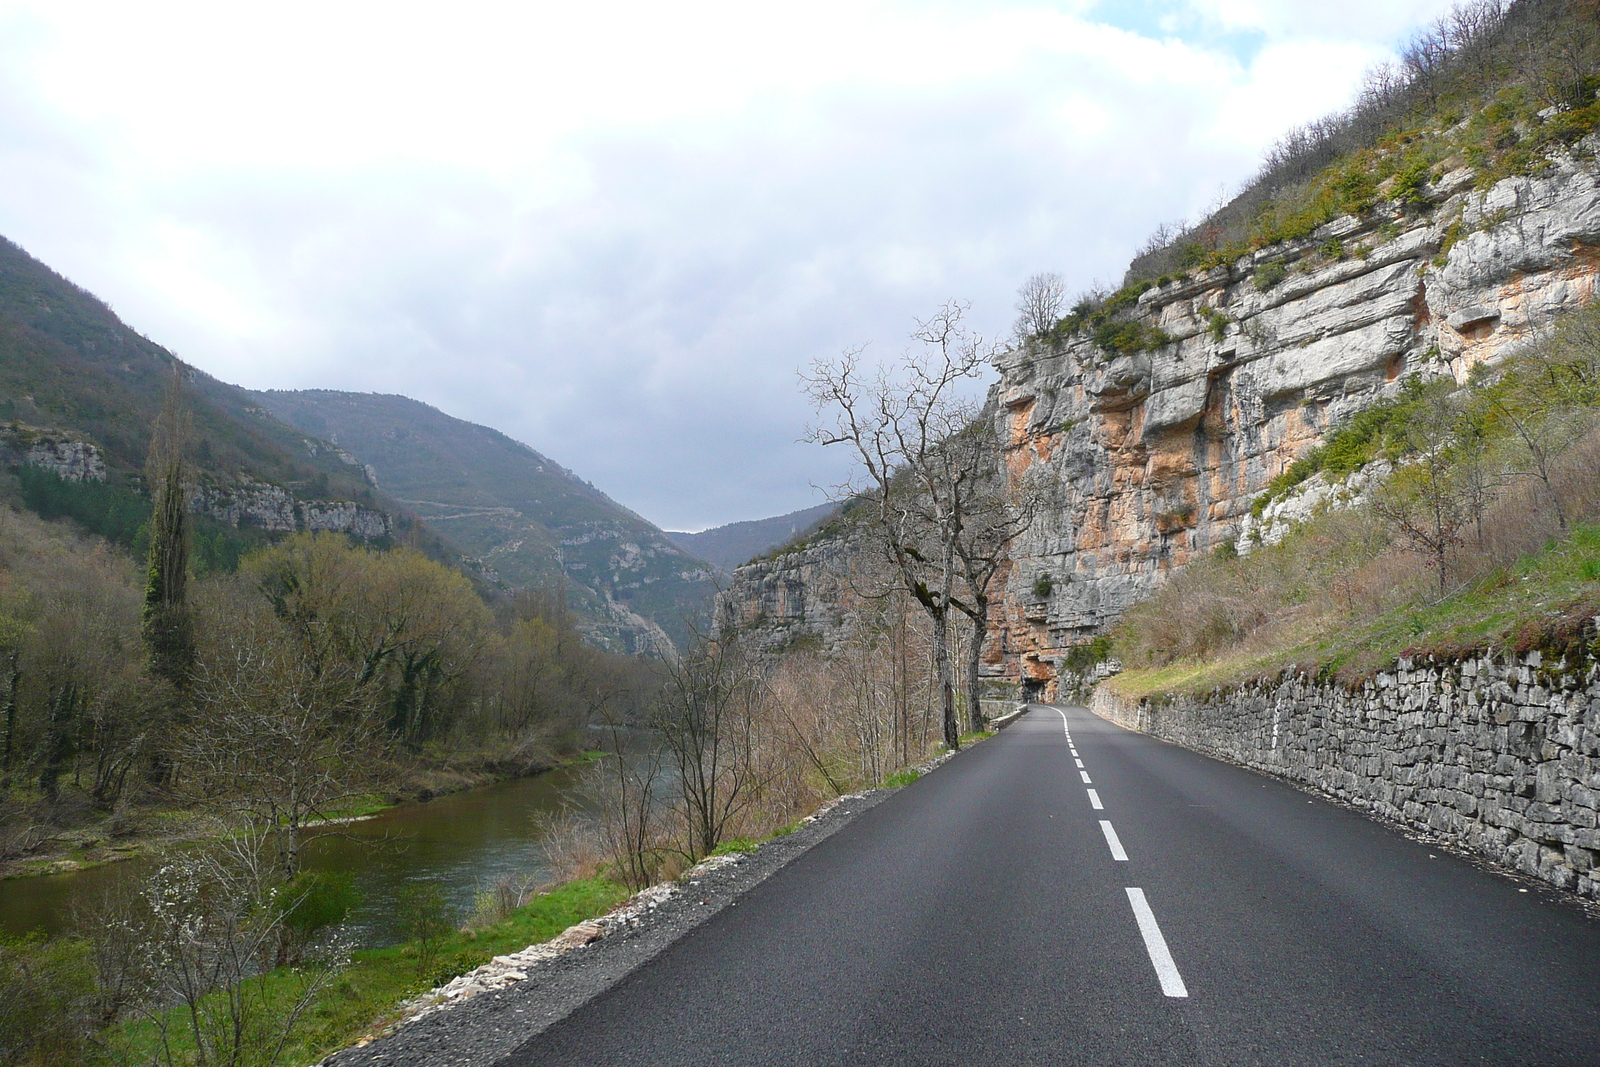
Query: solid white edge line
point(1166, 970)
point(1094, 801)
point(1113, 841)
point(1086, 780)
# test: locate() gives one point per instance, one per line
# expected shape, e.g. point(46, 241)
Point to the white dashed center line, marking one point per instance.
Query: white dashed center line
point(1094, 801)
point(1166, 970)
point(1079, 762)
point(1112, 840)
point(1086, 779)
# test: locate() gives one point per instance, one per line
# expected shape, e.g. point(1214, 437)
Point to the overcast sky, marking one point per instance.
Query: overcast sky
point(616, 230)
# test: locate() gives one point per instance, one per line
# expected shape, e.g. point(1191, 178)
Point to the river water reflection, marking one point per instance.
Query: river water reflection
point(459, 842)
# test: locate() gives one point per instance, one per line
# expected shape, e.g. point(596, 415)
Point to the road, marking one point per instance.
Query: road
point(1073, 893)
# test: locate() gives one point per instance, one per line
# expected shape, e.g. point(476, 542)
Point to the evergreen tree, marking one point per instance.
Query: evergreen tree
point(168, 629)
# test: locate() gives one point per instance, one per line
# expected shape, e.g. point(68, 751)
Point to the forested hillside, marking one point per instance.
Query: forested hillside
point(520, 513)
point(79, 394)
point(68, 363)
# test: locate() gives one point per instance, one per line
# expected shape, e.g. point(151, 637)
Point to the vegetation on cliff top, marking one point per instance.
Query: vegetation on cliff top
point(1492, 86)
point(1487, 535)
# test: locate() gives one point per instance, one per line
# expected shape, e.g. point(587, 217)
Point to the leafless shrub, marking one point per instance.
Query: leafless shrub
point(504, 894)
point(634, 826)
point(570, 844)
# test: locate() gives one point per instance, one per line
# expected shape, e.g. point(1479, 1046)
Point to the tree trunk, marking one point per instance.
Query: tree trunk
point(58, 741)
point(947, 689)
point(11, 720)
point(291, 847)
point(975, 721)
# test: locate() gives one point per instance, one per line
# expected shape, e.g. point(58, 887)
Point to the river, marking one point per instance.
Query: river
point(459, 842)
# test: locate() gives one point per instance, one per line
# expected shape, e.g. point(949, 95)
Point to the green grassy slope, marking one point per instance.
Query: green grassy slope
point(532, 520)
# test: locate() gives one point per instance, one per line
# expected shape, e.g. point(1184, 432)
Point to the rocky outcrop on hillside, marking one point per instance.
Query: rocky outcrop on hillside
point(271, 507)
point(251, 503)
point(56, 451)
point(795, 599)
point(1154, 457)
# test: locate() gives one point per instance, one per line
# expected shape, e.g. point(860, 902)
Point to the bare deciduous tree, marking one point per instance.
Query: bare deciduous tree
point(1040, 304)
point(1427, 508)
point(276, 736)
point(995, 512)
point(897, 423)
point(707, 716)
point(212, 924)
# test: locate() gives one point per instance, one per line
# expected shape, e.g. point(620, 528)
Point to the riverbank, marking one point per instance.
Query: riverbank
point(145, 830)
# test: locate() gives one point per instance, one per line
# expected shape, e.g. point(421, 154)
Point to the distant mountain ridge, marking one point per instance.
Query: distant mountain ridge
point(740, 542)
point(516, 511)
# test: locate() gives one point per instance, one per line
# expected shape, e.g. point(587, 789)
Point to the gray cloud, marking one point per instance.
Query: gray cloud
point(635, 302)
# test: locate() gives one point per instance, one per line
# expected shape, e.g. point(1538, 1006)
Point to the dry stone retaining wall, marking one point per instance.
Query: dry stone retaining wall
point(1499, 753)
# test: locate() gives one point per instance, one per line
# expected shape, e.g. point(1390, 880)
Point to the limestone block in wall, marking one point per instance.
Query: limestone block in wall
point(1367, 348)
point(1517, 792)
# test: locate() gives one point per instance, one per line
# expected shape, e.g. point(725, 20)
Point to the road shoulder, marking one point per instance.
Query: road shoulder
point(547, 985)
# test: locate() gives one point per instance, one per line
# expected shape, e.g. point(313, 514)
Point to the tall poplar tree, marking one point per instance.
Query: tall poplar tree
point(167, 627)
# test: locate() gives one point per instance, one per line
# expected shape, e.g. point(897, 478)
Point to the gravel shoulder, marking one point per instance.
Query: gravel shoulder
point(480, 1018)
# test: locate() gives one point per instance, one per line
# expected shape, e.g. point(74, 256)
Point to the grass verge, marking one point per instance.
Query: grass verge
point(1541, 602)
point(366, 996)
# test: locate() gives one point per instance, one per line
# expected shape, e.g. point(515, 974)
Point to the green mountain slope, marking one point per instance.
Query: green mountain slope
point(79, 393)
point(527, 517)
point(68, 363)
point(739, 542)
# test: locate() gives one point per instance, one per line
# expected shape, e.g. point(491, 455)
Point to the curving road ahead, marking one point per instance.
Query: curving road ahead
point(1073, 893)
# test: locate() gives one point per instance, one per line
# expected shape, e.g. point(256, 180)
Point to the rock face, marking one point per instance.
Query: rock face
point(76, 461)
point(1501, 755)
point(343, 516)
point(798, 598)
point(1153, 458)
point(271, 507)
point(62, 453)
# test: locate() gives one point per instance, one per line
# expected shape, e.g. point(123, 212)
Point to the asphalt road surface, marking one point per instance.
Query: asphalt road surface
point(1073, 893)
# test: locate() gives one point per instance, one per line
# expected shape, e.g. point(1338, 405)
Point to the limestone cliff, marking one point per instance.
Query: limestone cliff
point(63, 454)
point(1153, 457)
